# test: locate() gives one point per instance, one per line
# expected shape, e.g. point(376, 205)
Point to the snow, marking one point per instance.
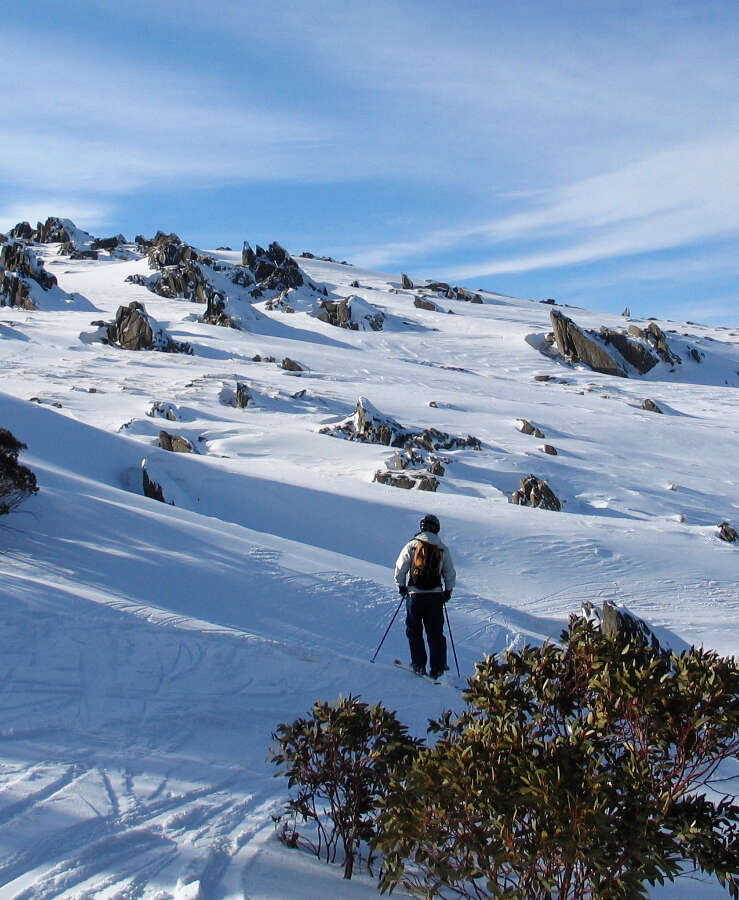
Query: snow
point(149, 650)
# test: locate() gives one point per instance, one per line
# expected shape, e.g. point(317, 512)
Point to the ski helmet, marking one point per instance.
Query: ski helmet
point(430, 523)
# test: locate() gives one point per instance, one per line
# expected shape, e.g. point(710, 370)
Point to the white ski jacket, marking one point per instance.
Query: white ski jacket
point(405, 560)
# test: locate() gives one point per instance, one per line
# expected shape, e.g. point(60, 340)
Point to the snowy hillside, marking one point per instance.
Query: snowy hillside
point(148, 649)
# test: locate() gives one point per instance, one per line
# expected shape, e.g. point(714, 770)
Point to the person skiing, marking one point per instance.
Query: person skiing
point(423, 564)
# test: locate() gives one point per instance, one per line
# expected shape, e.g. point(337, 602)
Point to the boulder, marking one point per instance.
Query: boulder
point(420, 303)
point(622, 625)
point(175, 443)
point(727, 532)
point(405, 282)
point(528, 428)
point(650, 406)
point(133, 330)
point(108, 244)
point(290, 365)
point(242, 395)
point(352, 312)
point(550, 450)
point(576, 346)
point(536, 492)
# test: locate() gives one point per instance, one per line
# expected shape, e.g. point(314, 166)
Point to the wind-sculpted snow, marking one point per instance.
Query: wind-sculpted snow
point(149, 649)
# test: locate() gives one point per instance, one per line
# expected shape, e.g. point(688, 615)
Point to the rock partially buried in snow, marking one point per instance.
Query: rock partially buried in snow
point(537, 493)
point(289, 365)
point(352, 312)
point(151, 488)
point(576, 346)
point(528, 428)
point(174, 443)
point(163, 410)
point(727, 532)
point(405, 282)
point(419, 481)
point(649, 405)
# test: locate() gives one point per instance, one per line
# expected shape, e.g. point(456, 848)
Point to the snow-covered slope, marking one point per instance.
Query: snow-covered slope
point(148, 650)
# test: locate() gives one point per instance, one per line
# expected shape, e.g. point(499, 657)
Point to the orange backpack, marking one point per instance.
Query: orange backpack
point(426, 566)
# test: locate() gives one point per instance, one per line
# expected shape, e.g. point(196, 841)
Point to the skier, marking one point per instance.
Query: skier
point(423, 564)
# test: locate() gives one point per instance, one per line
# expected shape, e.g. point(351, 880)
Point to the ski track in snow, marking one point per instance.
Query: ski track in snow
point(147, 652)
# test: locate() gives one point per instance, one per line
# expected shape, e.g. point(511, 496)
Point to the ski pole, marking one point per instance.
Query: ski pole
point(451, 638)
point(387, 630)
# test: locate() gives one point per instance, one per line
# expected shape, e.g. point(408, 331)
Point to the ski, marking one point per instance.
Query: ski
point(401, 665)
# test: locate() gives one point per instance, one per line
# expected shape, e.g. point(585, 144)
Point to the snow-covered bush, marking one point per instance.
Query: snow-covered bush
point(574, 772)
point(16, 481)
point(340, 759)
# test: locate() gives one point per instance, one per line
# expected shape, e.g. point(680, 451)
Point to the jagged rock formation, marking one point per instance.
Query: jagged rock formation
point(452, 293)
point(18, 265)
point(639, 356)
point(609, 351)
point(727, 532)
point(175, 443)
point(272, 269)
point(151, 488)
point(576, 346)
point(352, 312)
point(537, 493)
point(133, 329)
point(656, 339)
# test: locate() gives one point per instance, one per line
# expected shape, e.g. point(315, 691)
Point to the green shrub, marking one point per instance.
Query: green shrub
point(16, 481)
point(573, 772)
point(340, 760)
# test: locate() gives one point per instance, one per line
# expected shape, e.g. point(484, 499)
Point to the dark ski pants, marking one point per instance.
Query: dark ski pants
point(426, 611)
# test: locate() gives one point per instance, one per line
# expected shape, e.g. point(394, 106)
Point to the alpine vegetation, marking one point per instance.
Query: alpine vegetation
point(16, 481)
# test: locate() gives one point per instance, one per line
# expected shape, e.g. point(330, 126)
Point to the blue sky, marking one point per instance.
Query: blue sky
point(586, 151)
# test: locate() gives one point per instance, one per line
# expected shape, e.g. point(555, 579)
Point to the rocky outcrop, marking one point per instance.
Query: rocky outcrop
point(169, 250)
point(417, 449)
point(151, 488)
point(656, 339)
point(452, 293)
point(19, 266)
point(419, 481)
point(635, 353)
point(650, 406)
point(577, 346)
point(22, 231)
point(537, 493)
point(108, 244)
point(272, 269)
point(134, 330)
point(727, 532)
point(53, 231)
point(17, 258)
point(352, 312)
point(175, 443)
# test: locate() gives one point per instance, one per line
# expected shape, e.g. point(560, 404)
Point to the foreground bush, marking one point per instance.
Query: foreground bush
point(340, 759)
point(573, 772)
point(16, 481)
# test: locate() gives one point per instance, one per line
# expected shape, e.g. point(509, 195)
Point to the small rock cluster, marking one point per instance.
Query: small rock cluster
point(537, 493)
point(417, 448)
point(272, 269)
